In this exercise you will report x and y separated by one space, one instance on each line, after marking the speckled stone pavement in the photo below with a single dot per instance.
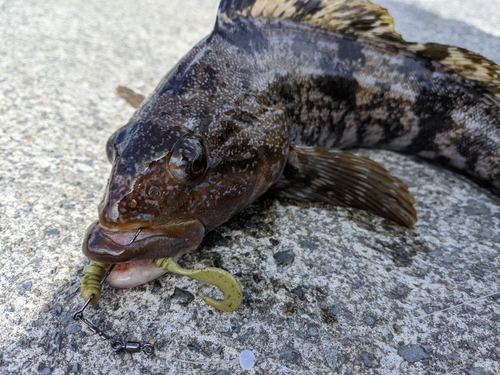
326 290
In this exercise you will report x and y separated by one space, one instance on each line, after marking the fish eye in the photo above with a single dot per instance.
188 161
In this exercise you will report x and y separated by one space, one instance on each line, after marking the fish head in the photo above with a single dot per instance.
151 188
203 147
148 210
171 183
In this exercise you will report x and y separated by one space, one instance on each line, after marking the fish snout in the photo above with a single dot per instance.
174 239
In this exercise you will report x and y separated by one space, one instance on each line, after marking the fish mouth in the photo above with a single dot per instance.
110 245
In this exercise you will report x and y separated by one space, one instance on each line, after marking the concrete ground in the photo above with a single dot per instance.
326 290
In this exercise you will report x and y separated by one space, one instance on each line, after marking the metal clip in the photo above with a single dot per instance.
133 347
116 345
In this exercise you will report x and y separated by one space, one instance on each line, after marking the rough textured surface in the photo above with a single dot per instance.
325 289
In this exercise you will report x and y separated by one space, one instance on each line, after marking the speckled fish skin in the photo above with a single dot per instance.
254 91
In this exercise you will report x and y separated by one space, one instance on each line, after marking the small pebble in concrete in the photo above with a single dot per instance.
331 353
284 258
413 353
25 286
447 258
370 320
274 242
365 359
183 296
312 330
477 371
298 292
435 254
247 359
309 244
476 208
496 352
73 328
290 355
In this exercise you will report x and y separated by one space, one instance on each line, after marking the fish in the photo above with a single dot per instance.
269 102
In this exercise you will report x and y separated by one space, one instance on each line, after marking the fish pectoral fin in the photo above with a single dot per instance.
357 17
130 96
345 179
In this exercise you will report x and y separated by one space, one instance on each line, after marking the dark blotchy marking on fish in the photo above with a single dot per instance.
433 110
268 101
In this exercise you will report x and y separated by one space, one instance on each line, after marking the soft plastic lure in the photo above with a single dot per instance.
91 284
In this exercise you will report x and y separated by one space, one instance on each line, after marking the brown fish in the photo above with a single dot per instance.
268 101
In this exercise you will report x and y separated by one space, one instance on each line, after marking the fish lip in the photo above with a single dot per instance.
106 245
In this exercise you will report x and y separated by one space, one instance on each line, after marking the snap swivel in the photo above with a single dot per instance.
92 289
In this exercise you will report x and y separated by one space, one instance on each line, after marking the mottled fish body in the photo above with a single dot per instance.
269 101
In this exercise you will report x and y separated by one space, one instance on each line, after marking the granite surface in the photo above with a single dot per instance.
326 289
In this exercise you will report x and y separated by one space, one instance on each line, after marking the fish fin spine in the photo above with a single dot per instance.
357 17
468 65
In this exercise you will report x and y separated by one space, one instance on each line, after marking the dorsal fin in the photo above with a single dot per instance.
469 65
358 17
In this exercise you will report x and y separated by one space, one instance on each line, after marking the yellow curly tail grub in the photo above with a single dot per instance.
91 281
223 280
